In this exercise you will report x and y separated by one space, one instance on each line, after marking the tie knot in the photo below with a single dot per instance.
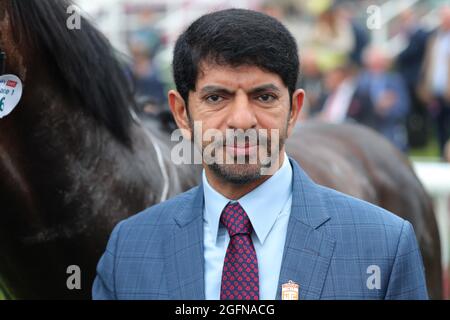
235 219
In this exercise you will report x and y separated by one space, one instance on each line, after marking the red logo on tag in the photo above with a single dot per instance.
11 83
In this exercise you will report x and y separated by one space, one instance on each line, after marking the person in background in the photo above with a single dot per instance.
435 86
341 85
148 84
332 36
447 151
408 64
382 98
360 33
311 80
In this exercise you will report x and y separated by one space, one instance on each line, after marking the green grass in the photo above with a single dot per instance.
431 150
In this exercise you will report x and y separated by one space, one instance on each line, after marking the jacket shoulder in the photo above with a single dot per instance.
350 212
147 231
371 243
162 213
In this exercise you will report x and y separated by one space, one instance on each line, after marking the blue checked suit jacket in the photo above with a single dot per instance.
334 243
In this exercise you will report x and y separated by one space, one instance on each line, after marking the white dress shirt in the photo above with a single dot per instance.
268 207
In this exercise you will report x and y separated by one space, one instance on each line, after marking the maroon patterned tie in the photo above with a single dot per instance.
240 280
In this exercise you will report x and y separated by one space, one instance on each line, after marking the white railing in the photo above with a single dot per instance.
435 176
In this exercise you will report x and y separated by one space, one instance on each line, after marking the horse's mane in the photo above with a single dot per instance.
84 60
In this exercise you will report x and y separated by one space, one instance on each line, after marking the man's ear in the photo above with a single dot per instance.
180 112
297 104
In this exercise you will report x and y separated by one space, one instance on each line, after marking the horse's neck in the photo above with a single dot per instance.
61 157
180 177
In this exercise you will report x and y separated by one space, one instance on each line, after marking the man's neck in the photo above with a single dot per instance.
235 191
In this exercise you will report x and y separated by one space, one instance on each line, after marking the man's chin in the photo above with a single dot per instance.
237 173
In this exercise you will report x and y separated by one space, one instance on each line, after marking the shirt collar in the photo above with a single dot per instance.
262 205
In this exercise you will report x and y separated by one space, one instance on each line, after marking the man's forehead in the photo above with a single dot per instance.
235 76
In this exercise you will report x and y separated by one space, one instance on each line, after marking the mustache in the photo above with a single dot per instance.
239 138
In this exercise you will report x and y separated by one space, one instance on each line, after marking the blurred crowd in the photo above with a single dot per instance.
346 75
402 96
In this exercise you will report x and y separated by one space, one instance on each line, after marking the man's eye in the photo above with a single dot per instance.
266 98
214 98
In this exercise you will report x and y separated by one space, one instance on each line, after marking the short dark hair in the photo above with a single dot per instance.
235 37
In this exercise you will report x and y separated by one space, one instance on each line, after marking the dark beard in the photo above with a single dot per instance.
249 174
238 179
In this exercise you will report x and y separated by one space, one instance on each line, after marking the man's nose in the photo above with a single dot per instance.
241 113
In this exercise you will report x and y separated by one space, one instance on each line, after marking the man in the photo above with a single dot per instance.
447 151
381 99
244 232
340 85
435 87
409 64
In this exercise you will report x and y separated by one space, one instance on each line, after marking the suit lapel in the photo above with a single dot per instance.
185 260
308 249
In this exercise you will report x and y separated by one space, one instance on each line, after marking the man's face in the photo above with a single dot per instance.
248 98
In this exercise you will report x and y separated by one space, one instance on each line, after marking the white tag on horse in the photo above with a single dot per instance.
10 93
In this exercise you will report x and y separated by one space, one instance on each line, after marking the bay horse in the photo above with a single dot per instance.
74 160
